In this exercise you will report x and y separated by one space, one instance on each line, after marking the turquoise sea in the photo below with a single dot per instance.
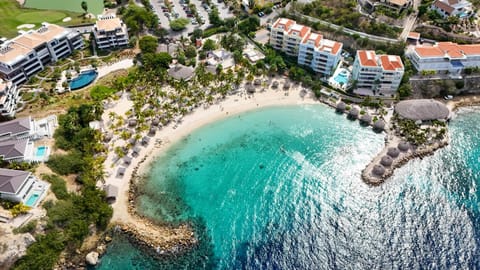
280 188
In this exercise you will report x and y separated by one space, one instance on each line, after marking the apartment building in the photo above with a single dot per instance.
28 53
9 97
460 8
445 57
377 74
310 48
322 55
110 32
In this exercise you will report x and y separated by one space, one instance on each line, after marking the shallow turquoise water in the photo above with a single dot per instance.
280 188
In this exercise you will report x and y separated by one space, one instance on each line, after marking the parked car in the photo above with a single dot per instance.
261 14
189 15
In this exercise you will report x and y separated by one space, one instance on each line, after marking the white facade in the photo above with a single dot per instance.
8 99
311 49
445 57
321 55
447 8
28 53
110 32
377 74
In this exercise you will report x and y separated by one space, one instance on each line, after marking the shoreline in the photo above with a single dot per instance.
166 239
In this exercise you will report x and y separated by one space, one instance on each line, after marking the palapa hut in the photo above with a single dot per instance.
127 160
152 131
132 141
111 193
155 122
366 119
403 146
341 106
353 113
132 122
107 137
422 110
378 170
379 125
136 150
386 161
257 82
121 172
250 88
145 141
275 84
286 86
393 152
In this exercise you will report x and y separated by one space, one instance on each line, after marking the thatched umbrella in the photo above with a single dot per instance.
286 86
155 121
341 106
275 84
257 82
366 119
353 113
152 131
378 170
132 122
386 161
108 137
136 150
111 192
403 146
145 140
393 152
127 160
379 125
250 88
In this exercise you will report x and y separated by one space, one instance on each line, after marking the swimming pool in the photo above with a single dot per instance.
342 77
32 200
41 152
85 78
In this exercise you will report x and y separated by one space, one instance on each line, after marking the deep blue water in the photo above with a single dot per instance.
280 188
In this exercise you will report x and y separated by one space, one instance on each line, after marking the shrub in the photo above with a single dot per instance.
101 92
27 228
179 24
19 209
66 164
58 186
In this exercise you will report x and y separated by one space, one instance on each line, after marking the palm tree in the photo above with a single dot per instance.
85 6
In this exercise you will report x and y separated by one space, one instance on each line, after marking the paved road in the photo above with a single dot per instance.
347 30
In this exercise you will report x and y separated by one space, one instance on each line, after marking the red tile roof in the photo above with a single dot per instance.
429 51
367 58
414 35
286 23
391 62
316 38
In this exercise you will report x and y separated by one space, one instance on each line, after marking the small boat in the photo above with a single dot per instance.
282 149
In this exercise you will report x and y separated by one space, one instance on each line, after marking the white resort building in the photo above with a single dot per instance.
8 98
311 49
377 74
446 8
28 53
445 57
110 32
21 186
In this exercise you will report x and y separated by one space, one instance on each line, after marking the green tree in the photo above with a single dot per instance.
84 6
209 45
214 17
178 24
190 51
148 44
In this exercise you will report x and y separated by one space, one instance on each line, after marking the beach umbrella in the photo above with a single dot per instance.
132 122
366 118
257 82
155 121
275 84
353 113
127 160
250 88
286 86
152 131
386 161
379 125
393 152
341 106
108 137
378 170
403 146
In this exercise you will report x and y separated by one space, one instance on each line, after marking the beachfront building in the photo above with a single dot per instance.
181 72
447 57
110 32
446 8
8 99
28 128
21 186
219 58
311 49
377 74
29 53
321 55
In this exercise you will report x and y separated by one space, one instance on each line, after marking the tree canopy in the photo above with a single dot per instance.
179 24
148 44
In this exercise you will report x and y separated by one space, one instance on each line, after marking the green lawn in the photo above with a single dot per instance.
12 15
94 6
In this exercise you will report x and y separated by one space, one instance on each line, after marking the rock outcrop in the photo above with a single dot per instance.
12 247
92 258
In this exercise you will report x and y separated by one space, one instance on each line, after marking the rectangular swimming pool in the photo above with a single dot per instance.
32 200
40 153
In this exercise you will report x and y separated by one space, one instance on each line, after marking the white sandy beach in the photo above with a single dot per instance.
169 135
